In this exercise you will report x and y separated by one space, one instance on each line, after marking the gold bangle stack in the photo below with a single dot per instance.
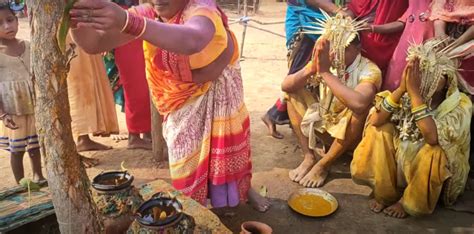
420 112
389 105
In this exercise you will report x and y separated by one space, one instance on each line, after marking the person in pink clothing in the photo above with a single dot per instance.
417 28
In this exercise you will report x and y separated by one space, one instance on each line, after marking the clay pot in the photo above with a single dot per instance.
254 227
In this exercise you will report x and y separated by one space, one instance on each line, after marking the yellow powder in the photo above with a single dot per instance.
311 205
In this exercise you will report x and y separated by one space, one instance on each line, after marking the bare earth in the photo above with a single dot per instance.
263 69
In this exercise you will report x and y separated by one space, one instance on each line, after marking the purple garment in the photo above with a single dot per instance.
226 195
418 28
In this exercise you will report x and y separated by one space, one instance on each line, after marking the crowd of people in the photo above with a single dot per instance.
388 80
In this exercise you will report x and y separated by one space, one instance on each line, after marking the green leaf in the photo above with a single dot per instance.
64 26
27 183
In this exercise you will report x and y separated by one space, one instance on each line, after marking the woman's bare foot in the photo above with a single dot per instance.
375 206
135 142
271 127
298 173
396 211
315 177
89 162
259 203
84 143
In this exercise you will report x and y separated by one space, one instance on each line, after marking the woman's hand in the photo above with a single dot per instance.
413 80
323 63
9 123
98 14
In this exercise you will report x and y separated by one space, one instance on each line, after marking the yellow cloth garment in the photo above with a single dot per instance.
91 100
417 171
361 70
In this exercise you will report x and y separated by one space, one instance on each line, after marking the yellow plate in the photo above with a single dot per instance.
313 202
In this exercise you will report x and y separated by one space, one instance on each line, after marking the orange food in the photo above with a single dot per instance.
311 205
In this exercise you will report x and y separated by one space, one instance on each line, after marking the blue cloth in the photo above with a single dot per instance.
298 16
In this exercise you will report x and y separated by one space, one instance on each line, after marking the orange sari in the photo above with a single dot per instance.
207 126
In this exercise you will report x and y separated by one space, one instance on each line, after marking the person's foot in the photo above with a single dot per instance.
84 143
259 203
39 178
119 137
271 127
396 211
89 162
298 173
375 206
135 142
147 137
315 177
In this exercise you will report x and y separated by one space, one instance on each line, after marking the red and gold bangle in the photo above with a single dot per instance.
135 25
126 22
144 28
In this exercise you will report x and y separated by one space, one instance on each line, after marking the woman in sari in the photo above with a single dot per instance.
415 148
195 82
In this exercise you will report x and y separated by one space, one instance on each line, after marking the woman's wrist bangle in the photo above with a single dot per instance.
126 22
419 108
144 28
135 26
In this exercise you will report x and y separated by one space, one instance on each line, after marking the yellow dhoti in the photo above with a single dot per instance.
377 164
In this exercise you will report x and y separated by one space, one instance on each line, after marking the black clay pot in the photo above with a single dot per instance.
147 212
107 181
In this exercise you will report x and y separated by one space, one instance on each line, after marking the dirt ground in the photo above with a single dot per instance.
263 68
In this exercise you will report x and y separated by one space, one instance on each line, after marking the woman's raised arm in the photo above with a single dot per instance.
99 24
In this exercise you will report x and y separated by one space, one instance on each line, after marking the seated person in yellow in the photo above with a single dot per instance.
416 141
333 106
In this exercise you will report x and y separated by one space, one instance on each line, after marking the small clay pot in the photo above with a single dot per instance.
254 227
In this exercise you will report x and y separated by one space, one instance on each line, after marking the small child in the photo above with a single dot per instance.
17 120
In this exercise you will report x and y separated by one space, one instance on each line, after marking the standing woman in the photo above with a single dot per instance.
195 82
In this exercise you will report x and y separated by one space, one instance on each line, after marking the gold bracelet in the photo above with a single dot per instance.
391 102
144 29
418 108
126 22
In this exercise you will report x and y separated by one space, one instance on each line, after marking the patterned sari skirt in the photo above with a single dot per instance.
208 142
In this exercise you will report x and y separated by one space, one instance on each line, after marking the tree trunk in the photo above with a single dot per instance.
157 134
67 178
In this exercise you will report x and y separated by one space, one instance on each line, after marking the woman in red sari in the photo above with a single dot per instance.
194 77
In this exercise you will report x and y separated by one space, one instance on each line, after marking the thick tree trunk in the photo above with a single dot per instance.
157 134
67 178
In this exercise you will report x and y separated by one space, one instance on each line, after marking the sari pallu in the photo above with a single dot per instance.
206 125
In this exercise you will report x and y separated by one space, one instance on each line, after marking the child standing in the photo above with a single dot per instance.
17 122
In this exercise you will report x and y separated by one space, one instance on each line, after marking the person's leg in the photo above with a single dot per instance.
309 158
299 56
274 112
318 173
374 165
35 157
16 162
85 143
425 175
